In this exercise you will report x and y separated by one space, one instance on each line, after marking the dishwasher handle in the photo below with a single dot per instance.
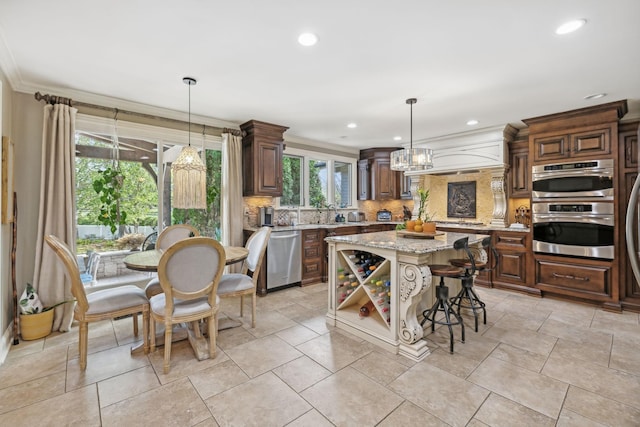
280 235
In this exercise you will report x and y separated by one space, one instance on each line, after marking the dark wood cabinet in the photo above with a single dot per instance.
364 183
405 186
313 255
588 142
514 252
585 279
381 182
628 153
262 148
520 169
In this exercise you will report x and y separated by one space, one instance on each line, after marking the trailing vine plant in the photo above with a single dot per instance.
108 185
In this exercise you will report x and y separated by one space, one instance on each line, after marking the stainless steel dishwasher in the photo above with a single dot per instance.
284 259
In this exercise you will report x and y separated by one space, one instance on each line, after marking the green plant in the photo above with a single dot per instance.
424 199
30 303
108 185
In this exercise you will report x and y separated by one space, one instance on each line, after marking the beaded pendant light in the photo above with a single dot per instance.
189 173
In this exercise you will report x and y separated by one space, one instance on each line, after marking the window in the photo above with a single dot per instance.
291 181
146 153
330 180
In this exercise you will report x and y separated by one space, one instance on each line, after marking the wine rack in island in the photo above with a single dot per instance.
363 290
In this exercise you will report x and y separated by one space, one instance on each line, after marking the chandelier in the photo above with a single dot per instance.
412 159
189 173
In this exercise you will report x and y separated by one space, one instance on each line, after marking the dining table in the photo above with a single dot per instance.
148 261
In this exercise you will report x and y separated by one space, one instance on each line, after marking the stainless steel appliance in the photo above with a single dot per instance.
284 259
577 228
383 215
584 179
356 217
632 228
266 216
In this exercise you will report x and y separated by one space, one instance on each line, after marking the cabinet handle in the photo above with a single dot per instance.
568 276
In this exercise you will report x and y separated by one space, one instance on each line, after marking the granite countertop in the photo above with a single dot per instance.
391 240
324 226
439 225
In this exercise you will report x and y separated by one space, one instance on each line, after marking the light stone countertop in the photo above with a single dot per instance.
449 225
391 240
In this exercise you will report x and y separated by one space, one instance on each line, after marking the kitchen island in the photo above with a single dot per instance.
379 281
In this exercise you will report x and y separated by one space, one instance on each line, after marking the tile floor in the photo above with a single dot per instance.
538 362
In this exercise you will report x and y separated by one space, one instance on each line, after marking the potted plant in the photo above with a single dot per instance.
36 321
426 219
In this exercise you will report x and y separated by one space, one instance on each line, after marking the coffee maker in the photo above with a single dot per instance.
266 216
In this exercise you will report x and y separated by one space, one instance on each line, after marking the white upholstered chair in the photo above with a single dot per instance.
189 272
100 305
245 282
166 238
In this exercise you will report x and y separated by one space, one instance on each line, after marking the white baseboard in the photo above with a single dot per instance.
5 344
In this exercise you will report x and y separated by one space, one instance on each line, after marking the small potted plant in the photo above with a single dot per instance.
36 321
426 219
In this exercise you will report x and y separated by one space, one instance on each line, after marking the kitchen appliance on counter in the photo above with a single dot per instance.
356 217
284 259
383 215
266 217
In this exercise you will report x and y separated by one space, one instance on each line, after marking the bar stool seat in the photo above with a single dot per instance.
467 297
442 303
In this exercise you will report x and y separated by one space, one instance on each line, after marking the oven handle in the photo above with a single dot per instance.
541 176
631 243
581 218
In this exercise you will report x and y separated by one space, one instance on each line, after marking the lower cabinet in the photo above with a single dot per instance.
586 279
313 255
512 270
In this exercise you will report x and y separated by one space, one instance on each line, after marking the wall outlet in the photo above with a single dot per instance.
246 211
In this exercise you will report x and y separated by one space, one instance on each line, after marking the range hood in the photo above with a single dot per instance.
479 149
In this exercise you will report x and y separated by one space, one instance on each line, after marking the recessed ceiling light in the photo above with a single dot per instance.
307 39
570 26
352 125
472 122
397 138
595 96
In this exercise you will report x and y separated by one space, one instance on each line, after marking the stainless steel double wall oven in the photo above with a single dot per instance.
573 208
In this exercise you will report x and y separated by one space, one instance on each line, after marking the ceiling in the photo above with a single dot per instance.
496 61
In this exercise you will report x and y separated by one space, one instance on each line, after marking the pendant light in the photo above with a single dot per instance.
189 173
412 159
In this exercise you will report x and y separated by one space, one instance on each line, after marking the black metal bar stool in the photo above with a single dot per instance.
443 304
467 297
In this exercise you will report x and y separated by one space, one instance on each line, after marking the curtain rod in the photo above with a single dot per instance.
52 99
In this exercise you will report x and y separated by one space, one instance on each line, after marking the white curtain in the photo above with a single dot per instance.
57 209
232 215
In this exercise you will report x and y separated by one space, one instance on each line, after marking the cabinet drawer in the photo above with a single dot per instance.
314 251
587 281
311 269
511 241
312 236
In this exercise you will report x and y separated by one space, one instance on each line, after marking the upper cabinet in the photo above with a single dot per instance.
520 169
584 133
262 148
592 141
376 180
